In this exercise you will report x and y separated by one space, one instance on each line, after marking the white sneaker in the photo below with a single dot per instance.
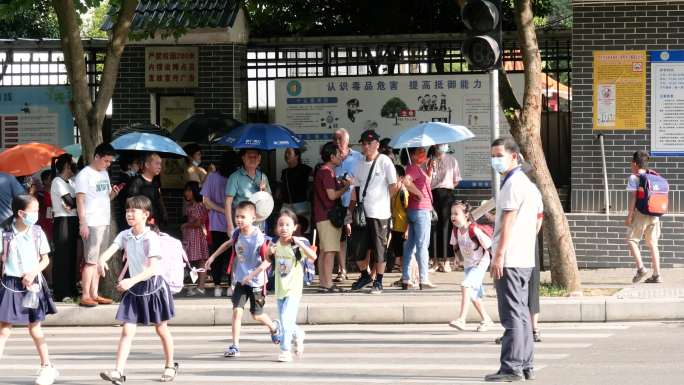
191 292
229 291
218 291
285 356
47 375
299 343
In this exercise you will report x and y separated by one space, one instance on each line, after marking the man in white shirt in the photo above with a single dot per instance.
350 159
515 232
376 204
93 196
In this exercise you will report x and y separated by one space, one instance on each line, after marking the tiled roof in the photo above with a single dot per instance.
189 14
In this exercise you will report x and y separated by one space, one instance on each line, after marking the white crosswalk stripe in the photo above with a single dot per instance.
335 354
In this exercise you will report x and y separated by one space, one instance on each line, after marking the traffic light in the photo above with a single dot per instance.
483 47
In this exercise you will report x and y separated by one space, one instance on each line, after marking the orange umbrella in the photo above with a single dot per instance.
27 159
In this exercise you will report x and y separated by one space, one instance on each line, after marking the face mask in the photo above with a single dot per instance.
131 173
195 163
499 165
443 148
30 219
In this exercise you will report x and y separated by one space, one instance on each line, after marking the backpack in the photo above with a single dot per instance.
7 237
308 266
172 264
652 194
263 250
486 228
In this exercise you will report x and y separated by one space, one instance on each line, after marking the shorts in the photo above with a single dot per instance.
643 226
93 246
473 280
328 237
255 295
373 237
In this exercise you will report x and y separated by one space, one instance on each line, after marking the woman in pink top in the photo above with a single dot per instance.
417 182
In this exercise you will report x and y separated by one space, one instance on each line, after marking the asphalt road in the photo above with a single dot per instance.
576 354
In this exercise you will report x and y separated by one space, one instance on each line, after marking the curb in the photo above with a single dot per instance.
608 309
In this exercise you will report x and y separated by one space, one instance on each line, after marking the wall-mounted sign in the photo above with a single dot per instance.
171 67
35 114
667 103
619 90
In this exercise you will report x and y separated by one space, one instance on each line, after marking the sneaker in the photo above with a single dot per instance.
498 340
231 352
640 274
275 335
298 343
529 374
484 326
218 291
458 324
377 288
504 377
285 356
191 292
654 279
47 375
67 300
104 301
536 336
363 281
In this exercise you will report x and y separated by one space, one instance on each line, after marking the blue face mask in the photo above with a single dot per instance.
499 165
30 219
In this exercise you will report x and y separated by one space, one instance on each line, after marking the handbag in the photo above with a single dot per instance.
359 213
337 214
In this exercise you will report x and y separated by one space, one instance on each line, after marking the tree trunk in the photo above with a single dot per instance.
525 127
89 117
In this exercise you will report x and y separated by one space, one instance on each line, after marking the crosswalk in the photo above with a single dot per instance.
334 354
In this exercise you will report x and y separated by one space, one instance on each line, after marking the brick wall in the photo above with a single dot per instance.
221 74
600 241
617 25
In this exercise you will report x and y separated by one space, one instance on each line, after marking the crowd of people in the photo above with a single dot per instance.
385 215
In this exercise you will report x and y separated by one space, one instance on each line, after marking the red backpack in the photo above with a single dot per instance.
486 228
652 194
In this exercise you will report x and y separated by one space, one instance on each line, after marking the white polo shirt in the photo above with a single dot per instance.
24 250
139 248
519 194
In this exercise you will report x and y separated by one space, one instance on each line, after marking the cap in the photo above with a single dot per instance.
369 136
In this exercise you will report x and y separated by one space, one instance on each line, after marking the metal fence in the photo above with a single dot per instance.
271 59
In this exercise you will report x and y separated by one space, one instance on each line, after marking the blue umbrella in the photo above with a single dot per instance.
143 141
74 149
262 136
431 133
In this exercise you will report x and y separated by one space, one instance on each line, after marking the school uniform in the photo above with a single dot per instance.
147 302
24 251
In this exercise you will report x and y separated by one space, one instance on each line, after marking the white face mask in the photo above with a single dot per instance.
195 163
443 148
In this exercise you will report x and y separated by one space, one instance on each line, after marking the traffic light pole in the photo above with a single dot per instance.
494 122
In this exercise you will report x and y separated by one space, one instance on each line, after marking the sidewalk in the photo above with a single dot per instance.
629 303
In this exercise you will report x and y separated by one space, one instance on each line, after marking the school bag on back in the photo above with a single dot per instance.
172 264
262 253
652 194
488 229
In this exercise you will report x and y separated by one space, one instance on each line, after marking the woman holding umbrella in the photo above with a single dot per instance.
244 182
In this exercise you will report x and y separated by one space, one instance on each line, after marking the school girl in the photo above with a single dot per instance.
24 295
146 298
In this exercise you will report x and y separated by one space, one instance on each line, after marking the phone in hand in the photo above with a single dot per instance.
121 186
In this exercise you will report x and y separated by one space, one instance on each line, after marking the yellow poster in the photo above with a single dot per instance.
619 90
172 111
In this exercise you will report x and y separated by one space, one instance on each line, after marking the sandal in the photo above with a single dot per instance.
113 376
170 373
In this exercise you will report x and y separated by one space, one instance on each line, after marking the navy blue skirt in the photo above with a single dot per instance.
148 302
12 294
